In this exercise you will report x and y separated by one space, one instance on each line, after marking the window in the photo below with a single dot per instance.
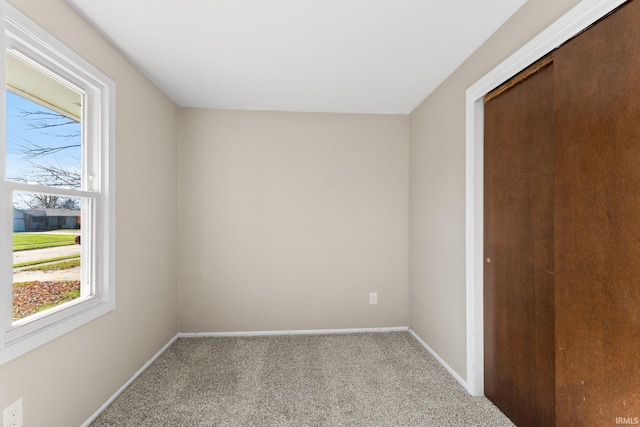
57 198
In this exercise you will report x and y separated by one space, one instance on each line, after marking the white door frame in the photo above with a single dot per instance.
577 19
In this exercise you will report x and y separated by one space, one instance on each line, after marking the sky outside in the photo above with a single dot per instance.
20 133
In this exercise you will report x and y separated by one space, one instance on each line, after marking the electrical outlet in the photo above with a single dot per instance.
373 298
12 415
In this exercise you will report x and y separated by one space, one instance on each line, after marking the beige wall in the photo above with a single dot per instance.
65 381
437 310
289 220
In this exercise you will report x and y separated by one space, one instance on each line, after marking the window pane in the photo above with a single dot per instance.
46 252
44 129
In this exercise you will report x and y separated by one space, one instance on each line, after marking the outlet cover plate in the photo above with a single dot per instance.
12 415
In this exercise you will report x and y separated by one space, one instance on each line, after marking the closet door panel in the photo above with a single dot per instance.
518 238
597 222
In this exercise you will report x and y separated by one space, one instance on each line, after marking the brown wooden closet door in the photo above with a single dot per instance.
518 248
597 222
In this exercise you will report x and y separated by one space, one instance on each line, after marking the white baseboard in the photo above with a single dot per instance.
293 332
440 360
95 415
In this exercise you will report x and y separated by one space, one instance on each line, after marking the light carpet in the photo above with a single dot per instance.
367 379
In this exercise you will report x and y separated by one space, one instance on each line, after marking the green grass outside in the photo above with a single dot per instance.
42 261
26 241
57 266
64 297
21 284
35 296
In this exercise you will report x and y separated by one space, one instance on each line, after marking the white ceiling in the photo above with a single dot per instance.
351 56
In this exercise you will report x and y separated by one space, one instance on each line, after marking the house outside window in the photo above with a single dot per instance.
57 210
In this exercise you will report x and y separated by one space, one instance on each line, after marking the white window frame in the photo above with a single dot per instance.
29 41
